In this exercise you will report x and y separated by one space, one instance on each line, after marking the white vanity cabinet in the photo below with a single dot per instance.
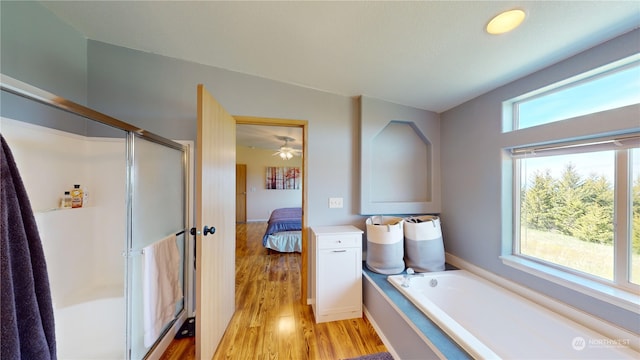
336 273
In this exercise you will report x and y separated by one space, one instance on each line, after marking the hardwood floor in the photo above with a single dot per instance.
270 322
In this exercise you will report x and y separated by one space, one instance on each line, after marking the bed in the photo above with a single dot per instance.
284 230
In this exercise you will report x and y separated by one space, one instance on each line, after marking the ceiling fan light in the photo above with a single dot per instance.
285 152
505 21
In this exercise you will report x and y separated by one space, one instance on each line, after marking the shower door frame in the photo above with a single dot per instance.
29 92
135 251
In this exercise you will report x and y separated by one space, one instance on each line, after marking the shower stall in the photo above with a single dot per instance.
107 295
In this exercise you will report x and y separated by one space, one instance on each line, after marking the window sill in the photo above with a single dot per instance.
612 295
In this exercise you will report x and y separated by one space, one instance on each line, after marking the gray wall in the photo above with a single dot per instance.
159 94
39 49
472 159
399 159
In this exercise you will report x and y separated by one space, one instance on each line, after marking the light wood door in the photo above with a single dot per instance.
215 207
241 193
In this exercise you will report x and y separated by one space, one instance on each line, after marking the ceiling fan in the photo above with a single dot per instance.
286 152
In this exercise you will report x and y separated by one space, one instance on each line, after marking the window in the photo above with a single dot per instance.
613 86
576 203
569 197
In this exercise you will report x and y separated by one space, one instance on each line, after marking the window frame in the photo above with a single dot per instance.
622 220
511 107
620 291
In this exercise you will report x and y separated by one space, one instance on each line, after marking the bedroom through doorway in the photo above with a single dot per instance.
270 137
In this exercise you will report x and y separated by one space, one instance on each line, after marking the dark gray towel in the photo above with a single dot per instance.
28 330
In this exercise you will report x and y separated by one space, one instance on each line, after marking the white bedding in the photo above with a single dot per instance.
285 241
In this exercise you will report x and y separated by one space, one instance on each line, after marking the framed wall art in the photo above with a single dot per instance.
282 178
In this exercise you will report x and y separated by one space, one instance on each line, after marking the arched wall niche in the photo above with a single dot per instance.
402 155
399 159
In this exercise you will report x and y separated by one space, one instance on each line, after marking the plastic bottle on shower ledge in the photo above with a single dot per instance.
76 197
65 203
85 197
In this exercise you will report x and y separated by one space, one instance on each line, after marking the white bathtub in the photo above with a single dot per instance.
91 330
490 322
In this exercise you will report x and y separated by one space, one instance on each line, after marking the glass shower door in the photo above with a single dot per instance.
136 186
157 224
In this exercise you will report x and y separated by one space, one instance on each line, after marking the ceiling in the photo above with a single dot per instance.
432 55
265 137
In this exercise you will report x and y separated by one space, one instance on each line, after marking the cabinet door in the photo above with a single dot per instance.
339 280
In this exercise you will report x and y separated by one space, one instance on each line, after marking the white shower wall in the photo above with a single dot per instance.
83 247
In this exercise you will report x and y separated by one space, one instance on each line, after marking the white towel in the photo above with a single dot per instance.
160 286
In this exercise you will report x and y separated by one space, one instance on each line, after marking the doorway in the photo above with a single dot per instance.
301 124
241 193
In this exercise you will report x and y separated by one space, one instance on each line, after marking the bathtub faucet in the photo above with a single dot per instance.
406 278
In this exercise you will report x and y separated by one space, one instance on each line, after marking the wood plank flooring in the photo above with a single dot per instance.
270 322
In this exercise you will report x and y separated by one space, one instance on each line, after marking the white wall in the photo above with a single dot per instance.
260 201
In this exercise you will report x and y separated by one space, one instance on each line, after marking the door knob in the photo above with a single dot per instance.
208 230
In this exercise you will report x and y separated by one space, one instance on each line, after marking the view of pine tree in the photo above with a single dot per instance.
596 223
568 201
572 205
538 202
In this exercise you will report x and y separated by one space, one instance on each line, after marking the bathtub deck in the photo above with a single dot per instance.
444 344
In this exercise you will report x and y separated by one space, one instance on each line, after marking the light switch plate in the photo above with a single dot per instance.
335 203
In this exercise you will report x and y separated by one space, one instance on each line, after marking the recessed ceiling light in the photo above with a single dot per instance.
505 21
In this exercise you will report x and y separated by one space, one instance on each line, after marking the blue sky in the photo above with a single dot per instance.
613 90
617 88
600 163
